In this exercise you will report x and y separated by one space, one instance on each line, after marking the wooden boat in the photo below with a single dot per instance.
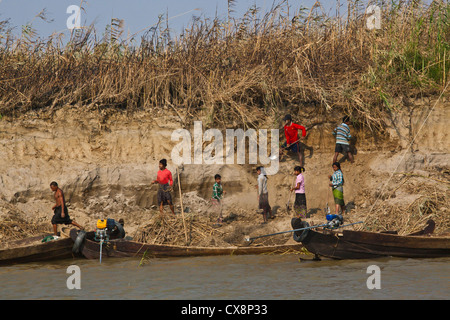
348 244
127 248
33 249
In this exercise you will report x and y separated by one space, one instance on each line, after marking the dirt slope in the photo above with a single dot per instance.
105 162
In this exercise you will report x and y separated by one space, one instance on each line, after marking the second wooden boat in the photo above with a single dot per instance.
348 244
90 248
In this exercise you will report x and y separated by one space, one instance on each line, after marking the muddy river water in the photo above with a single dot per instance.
255 277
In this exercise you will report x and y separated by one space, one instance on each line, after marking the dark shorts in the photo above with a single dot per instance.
342 148
294 147
57 219
164 195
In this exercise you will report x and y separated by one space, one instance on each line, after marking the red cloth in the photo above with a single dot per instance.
291 132
164 176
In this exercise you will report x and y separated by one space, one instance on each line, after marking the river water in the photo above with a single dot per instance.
255 277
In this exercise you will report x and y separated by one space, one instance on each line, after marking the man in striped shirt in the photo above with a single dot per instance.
342 134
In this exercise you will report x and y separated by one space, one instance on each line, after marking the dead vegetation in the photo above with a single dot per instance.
430 201
236 71
16 230
170 230
202 231
14 225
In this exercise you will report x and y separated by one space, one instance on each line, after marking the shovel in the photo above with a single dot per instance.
275 156
288 204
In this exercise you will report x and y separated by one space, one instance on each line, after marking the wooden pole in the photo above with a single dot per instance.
182 209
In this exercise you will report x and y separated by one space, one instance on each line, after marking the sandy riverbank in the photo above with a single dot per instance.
105 163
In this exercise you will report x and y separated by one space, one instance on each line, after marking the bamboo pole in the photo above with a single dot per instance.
182 209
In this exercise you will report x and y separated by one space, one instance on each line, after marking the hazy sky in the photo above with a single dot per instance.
137 14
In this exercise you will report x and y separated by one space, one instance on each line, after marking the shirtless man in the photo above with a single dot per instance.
61 214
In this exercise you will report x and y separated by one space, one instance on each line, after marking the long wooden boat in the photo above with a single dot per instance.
348 244
32 249
127 248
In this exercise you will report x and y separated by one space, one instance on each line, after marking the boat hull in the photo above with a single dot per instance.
366 245
126 248
33 250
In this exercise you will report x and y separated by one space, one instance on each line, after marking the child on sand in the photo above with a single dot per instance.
300 197
342 134
217 196
263 195
337 186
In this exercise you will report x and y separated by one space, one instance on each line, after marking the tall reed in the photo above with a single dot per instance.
237 71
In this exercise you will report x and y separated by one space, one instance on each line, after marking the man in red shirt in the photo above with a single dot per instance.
292 139
165 181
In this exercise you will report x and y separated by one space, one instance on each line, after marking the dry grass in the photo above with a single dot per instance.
170 230
13 230
14 227
203 232
430 203
238 71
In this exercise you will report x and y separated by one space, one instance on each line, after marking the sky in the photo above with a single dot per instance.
138 15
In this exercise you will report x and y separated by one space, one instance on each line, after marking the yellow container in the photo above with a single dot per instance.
101 224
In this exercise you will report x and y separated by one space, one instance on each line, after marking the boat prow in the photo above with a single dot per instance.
33 249
349 244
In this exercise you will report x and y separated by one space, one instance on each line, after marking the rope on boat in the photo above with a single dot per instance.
294 230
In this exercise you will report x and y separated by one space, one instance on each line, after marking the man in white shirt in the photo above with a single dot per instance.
263 195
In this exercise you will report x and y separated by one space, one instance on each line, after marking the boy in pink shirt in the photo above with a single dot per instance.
300 197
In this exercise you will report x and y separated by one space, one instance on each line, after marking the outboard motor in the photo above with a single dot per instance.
334 221
101 231
108 229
